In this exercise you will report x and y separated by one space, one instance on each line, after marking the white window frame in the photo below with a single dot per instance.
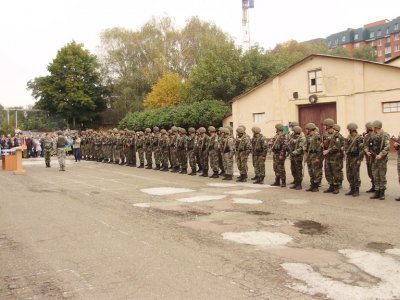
356 36
396 26
391 107
315 81
343 38
397 48
379 33
380 43
397 36
259 117
388 50
380 53
372 34
388 40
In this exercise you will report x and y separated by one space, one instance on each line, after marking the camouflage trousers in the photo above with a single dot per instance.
83 150
198 158
332 169
149 156
220 161
157 155
130 156
353 171
182 157
314 166
259 165
173 152
213 160
61 155
398 166
228 163
141 156
296 167
47 155
341 166
379 169
241 161
279 166
369 169
192 159
123 154
204 160
116 150
164 158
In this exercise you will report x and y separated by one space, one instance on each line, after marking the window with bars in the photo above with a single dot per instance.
315 81
389 107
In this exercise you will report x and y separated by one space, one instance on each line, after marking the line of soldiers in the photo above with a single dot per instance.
204 149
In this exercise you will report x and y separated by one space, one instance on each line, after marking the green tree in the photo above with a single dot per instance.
365 52
74 88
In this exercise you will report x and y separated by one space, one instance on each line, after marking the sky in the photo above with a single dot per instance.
33 31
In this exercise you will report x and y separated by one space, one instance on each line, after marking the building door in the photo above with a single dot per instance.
316 113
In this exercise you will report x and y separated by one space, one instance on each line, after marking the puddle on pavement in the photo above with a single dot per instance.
310 227
381 247
258 212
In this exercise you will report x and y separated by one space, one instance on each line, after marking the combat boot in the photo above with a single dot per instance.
193 173
222 173
157 167
397 199
149 166
141 166
330 189
239 179
315 188
381 194
254 178
298 187
205 173
356 192
351 192
294 185
164 169
336 189
261 180
311 187
184 171
243 179
214 175
175 170
283 182
277 181
372 189
376 195
227 177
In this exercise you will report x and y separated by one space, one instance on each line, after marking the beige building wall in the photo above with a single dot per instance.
395 63
358 88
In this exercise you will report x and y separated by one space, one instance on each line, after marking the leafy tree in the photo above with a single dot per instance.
166 92
74 89
365 52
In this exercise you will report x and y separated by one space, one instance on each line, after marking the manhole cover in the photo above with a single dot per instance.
310 227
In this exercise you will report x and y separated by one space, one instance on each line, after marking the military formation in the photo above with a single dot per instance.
211 153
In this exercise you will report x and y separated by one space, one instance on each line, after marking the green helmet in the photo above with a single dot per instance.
256 129
182 130
279 126
311 126
244 127
229 128
240 129
147 130
368 125
211 129
202 130
191 130
377 124
115 130
352 126
163 131
336 127
294 123
156 129
329 122
174 129
297 129
225 130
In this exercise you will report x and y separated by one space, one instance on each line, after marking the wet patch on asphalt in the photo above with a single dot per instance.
310 227
258 212
381 247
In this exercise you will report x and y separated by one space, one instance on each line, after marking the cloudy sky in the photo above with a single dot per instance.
33 31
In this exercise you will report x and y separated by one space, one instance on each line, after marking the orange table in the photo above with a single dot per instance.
9 162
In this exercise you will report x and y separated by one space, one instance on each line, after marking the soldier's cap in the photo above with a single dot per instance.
141 133
156 129
279 126
297 129
225 130
219 129
256 129
311 126
352 126
201 130
368 125
174 129
211 129
126 129
336 127
240 129
121 131
329 122
163 131
147 130
244 127
377 124
229 128
115 130
191 130
293 124
182 130
110 130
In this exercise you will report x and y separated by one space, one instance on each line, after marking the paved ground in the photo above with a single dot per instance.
102 231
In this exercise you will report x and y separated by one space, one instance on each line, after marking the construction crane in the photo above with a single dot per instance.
246 4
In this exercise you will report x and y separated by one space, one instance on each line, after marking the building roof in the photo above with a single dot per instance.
392 59
307 58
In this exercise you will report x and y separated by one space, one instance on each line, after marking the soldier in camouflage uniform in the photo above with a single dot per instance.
173 150
61 154
367 136
354 149
213 146
227 153
397 147
156 147
313 156
114 150
278 147
164 148
140 148
243 148
197 151
378 150
203 148
190 146
331 153
259 147
130 149
97 146
47 148
182 152
341 154
147 148
295 147
83 145
219 151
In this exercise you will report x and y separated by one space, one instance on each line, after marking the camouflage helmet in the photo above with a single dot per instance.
225 130
141 133
297 129
147 130
377 124
256 129
329 122
182 130
126 129
115 130
229 128
174 129
293 124
368 125
211 129
279 126
311 126
352 126
156 129
191 130
59 132
110 130
244 127
219 129
163 131
336 127
202 130
240 129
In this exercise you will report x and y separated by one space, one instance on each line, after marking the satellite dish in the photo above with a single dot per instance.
313 99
